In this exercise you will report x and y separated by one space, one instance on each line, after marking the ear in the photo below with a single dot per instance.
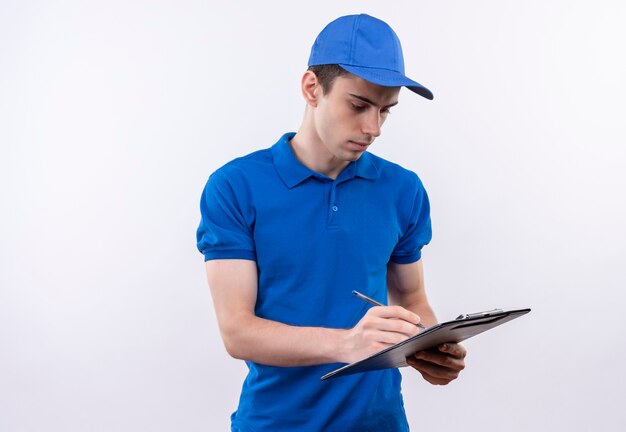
311 88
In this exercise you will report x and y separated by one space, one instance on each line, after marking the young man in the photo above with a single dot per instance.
288 232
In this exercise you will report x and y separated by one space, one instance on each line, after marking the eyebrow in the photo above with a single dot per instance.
371 102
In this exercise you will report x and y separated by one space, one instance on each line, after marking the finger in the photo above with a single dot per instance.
388 334
436 374
389 338
397 312
434 380
430 373
441 360
394 325
453 349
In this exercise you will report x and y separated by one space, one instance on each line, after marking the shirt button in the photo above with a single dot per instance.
335 208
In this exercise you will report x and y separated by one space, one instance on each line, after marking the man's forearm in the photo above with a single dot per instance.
277 344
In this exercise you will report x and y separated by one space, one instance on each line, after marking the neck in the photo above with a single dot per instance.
311 152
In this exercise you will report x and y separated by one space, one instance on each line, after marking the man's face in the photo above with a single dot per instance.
350 116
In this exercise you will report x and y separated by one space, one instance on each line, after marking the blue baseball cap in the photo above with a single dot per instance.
366 47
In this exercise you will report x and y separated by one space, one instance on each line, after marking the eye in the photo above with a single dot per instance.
358 108
385 111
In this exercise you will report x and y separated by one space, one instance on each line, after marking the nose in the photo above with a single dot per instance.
372 124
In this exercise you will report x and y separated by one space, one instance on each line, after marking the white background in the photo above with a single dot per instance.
114 113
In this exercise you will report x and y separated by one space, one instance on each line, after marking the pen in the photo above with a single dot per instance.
375 303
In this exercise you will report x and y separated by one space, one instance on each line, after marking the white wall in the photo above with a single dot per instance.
113 114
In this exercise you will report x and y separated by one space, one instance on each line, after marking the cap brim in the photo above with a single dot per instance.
388 78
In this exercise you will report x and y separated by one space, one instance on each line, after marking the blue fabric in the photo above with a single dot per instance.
315 240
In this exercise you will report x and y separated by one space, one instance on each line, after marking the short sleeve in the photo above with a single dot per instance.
224 231
418 232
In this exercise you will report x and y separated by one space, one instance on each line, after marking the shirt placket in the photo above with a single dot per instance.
333 207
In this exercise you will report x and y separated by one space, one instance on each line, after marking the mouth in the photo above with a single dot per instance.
361 145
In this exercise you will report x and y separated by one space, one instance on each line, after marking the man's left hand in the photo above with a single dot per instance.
440 365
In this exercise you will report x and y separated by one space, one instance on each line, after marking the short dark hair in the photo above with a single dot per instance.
326 75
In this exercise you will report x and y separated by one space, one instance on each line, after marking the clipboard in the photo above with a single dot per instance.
457 330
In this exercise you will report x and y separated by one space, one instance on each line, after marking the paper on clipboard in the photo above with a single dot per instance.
456 330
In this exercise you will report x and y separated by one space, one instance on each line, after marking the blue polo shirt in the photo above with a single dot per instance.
314 240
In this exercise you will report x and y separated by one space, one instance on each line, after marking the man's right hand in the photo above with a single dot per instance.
380 328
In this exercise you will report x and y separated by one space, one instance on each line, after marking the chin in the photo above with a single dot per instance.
355 155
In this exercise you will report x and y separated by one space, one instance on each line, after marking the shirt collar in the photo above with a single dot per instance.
365 167
292 172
